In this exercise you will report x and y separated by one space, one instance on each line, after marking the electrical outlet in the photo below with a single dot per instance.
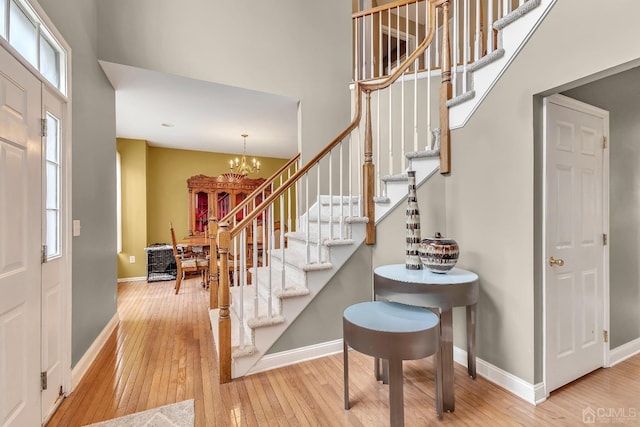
132 259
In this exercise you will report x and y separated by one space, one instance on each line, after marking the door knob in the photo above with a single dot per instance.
556 261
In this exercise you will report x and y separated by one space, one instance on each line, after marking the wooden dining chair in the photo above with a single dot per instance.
187 264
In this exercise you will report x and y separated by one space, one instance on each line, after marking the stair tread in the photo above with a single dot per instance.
302 237
313 217
422 154
395 178
457 100
486 60
515 14
298 260
324 200
249 304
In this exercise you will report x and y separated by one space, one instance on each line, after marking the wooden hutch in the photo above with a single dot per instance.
217 195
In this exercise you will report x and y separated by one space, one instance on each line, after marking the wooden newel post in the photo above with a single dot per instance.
213 262
224 318
445 94
368 177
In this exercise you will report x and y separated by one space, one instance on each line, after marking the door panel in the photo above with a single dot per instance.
20 190
574 218
53 226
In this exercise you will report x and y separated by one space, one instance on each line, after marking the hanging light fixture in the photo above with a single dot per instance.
240 165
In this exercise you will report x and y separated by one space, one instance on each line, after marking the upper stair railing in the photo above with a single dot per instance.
409 119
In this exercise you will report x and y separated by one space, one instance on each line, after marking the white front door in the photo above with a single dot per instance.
20 237
53 235
574 252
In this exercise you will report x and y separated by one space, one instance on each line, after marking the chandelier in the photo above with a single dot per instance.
241 165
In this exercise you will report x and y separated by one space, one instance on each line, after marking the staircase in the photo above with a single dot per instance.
268 287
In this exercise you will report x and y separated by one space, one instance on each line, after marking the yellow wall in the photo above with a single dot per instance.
167 195
155 180
133 158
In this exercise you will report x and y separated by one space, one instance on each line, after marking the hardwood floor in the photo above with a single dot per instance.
162 352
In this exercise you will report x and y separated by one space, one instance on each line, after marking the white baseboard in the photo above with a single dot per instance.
133 279
297 355
623 352
532 393
89 356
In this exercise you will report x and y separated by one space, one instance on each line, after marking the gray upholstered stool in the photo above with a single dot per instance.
394 332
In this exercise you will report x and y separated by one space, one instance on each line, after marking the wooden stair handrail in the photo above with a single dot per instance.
360 87
391 78
445 88
258 190
225 234
382 7
304 169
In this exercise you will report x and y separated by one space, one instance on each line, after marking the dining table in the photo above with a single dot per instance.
199 244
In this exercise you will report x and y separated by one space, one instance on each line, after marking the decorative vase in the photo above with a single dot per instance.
412 259
439 254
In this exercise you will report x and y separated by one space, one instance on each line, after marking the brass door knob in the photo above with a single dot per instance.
556 261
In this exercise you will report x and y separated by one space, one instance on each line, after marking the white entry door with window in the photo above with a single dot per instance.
35 265
20 231
575 283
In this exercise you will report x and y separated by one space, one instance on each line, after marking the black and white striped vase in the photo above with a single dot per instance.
412 260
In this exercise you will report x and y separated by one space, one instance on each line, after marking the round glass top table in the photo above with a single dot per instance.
424 288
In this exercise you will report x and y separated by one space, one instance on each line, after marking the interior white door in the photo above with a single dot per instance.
20 196
574 248
53 270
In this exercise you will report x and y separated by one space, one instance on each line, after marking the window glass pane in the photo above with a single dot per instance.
3 14
52 186
49 62
52 197
23 34
53 242
53 138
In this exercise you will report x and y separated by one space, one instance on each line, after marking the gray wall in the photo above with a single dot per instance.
620 95
490 198
287 47
321 321
299 49
390 244
94 199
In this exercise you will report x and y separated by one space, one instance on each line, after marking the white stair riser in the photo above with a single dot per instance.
328 230
337 210
301 247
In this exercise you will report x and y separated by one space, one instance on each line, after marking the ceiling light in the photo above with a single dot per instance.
240 165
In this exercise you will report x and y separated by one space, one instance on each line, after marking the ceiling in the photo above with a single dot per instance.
178 112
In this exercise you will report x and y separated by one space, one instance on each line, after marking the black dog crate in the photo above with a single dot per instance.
161 264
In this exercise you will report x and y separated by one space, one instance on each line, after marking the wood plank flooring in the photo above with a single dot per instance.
162 352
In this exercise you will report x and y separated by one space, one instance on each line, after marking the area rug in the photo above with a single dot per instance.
179 414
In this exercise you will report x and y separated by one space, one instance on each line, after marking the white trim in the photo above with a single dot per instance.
514 38
81 368
531 393
580 106
297 355
624 352
133 279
